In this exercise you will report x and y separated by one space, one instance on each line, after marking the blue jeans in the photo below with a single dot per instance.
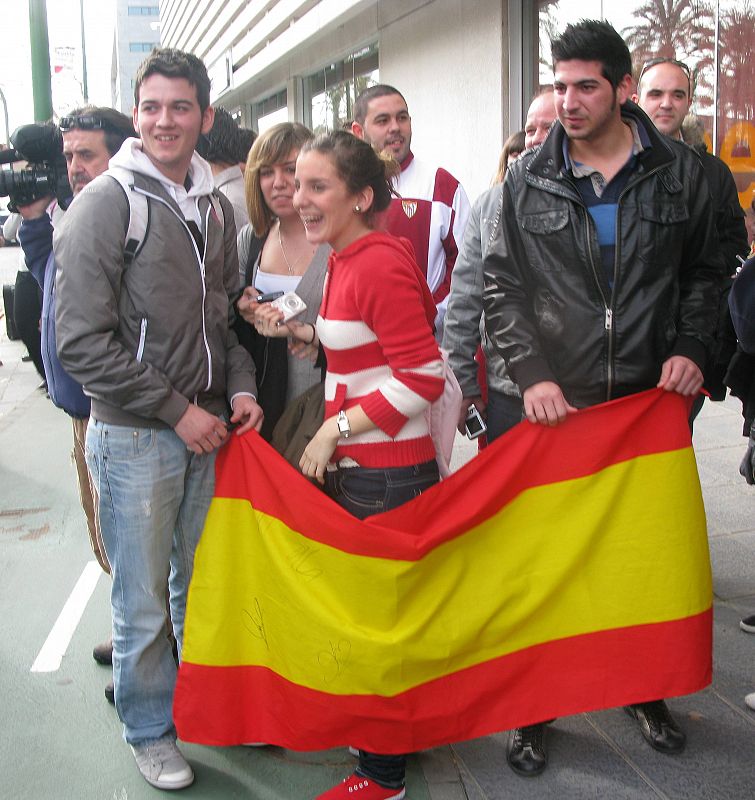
154 494
363 492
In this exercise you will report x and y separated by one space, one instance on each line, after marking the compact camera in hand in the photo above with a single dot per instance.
290 305
474 424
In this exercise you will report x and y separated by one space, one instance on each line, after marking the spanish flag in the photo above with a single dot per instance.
562 570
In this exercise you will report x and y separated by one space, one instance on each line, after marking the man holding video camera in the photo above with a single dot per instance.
90 137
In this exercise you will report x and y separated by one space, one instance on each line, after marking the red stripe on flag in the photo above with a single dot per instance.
229 705
594 439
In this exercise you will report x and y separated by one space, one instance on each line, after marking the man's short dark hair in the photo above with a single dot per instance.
174 63
117 127
244 142
220 145
370 93
594 40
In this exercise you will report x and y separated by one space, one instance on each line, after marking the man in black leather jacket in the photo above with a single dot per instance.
603 278
664 93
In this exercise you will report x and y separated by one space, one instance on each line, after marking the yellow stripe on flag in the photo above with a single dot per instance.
322 618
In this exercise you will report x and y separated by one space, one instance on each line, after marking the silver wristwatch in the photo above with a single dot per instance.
344 428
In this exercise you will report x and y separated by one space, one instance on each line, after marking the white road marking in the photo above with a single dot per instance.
54 648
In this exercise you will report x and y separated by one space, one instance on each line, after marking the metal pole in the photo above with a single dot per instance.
40 61
5 111
84 53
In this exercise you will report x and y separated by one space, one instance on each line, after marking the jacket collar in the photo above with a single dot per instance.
147 183
408 160
548 161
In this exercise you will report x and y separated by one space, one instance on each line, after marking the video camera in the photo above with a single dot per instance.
41 146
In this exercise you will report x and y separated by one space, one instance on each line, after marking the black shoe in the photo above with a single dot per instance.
526 752
110 693
103 653
658 726
748 624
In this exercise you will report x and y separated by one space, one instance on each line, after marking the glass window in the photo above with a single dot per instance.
141 47
723 75
143 11
330 92
270 111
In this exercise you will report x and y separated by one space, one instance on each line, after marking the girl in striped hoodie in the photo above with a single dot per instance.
373 452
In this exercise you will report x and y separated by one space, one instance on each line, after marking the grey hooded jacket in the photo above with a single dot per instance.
148 338
462 328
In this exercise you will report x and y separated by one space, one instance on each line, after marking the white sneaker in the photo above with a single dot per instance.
162 764
750 700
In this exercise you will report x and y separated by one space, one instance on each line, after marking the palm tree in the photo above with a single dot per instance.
548 31
682 29
737 66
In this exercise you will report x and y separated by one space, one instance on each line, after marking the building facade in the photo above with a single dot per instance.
467 69
137 31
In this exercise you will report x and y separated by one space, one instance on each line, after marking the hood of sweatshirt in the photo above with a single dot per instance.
132 157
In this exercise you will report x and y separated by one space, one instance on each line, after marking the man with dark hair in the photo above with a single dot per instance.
604 278
431 208
664 93
146 331
172 63
244 142
91 135
220 148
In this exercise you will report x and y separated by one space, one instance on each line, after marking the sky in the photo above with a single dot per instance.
64 31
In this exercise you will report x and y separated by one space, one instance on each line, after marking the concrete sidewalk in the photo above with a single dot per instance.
61 739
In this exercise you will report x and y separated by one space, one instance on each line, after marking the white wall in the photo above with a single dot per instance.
446 59
445 56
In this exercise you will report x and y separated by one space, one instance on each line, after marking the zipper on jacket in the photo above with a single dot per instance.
142 339
608 311
204 292
200 262
616 258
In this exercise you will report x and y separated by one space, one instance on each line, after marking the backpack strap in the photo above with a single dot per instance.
218 208
139 213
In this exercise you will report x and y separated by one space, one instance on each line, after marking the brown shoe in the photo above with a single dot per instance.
103 653
110 693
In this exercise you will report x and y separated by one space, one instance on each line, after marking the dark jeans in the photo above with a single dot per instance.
27 309
697 407
504 411
364 492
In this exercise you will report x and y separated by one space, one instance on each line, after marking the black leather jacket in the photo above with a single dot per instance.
549 309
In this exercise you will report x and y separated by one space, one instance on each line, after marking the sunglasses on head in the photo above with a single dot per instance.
84 122
661 60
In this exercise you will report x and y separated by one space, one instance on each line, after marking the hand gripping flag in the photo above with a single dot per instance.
562 570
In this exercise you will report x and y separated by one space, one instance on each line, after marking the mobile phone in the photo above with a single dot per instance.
268 297
474 424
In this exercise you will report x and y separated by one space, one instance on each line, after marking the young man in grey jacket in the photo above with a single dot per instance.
148 337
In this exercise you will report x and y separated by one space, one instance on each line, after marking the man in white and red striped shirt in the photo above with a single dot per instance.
432 207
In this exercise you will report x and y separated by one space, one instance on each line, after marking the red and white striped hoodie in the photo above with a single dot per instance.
375 324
